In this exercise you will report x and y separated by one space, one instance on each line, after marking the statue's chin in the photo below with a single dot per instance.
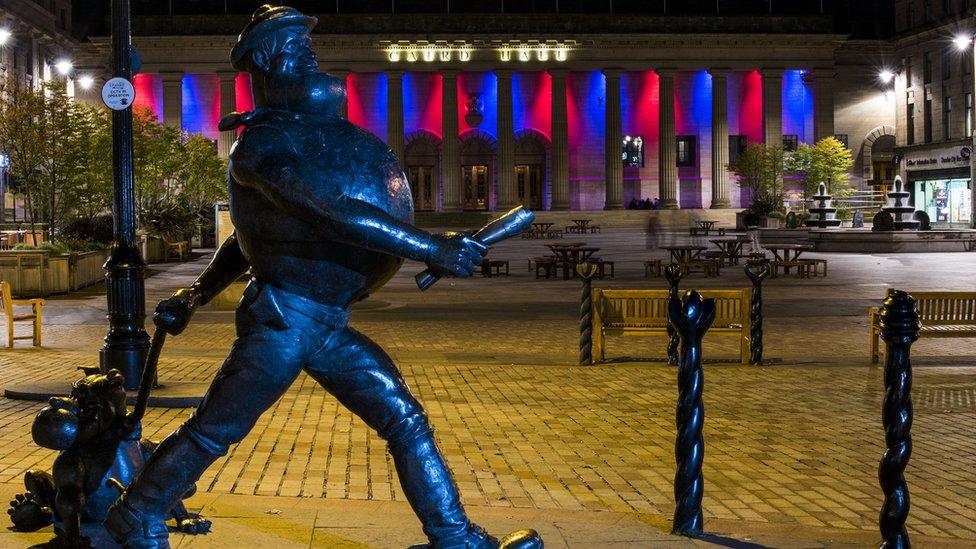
318 93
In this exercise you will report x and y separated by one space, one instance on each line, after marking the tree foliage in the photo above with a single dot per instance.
760 171
60 154
827 161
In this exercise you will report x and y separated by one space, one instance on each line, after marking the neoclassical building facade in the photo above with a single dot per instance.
556 112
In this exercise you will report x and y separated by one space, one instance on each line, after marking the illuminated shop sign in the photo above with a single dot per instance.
941 158
443 52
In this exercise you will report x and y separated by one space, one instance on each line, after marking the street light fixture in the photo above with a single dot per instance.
886 76
64 66
86 82
4 36
962 41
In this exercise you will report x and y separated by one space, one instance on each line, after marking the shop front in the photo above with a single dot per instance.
940 183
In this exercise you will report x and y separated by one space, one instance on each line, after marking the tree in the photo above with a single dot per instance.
827 161
93 181
202 179
760 170
44 131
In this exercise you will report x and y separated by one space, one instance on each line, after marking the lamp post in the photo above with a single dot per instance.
127 343
965 42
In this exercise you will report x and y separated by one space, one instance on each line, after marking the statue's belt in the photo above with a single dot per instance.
268 304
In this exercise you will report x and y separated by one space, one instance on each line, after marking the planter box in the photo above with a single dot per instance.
34 273
152 248
769 222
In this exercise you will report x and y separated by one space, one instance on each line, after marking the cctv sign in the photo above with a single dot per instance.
118 94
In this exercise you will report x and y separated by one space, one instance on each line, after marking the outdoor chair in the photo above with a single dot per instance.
175 249
8 308
652 266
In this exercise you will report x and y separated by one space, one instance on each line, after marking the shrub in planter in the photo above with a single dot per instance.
97 229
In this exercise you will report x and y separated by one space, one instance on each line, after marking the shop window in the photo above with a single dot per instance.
790 142
686 150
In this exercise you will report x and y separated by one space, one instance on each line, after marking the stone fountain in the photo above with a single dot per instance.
901 213
824 211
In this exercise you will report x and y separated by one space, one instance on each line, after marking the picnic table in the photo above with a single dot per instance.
706 225
570 255
541 229
684 253
731 247
787 252
580 226
786 256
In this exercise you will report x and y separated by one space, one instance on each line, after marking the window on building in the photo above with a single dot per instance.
927 67
969 115
947 118
927 119
908 71
910 124
842 137
737 146
686 150
966 60
790 142
947 63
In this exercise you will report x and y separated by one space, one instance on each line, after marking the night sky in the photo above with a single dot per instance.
864 18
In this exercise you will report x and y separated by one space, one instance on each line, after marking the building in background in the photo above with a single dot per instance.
933 89
35 45
558 111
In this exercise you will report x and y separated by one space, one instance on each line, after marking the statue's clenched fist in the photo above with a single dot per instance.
455 253
173 314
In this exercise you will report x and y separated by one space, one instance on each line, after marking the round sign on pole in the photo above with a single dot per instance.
118 94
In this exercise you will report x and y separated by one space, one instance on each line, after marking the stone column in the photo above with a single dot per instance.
450 145
614 145
394 113
772 84
668 154
506 142
228 104
560 141
823 104
173 99
721 190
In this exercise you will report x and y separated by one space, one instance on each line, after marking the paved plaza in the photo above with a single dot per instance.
583 453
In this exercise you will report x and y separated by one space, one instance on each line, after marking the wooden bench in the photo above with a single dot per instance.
645 313
802 267
942 314
601 265
175 248
708 267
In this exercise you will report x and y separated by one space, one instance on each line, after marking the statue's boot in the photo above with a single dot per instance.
429 486
137 520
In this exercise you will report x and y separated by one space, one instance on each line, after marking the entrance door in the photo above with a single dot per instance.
423 187
528 184
475 187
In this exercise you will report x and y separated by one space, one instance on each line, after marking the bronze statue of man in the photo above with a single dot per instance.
323 217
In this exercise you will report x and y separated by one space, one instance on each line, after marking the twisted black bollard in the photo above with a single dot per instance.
757 269
673 273
691 318
899 329
586 272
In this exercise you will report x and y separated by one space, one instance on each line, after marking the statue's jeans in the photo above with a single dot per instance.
279 334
